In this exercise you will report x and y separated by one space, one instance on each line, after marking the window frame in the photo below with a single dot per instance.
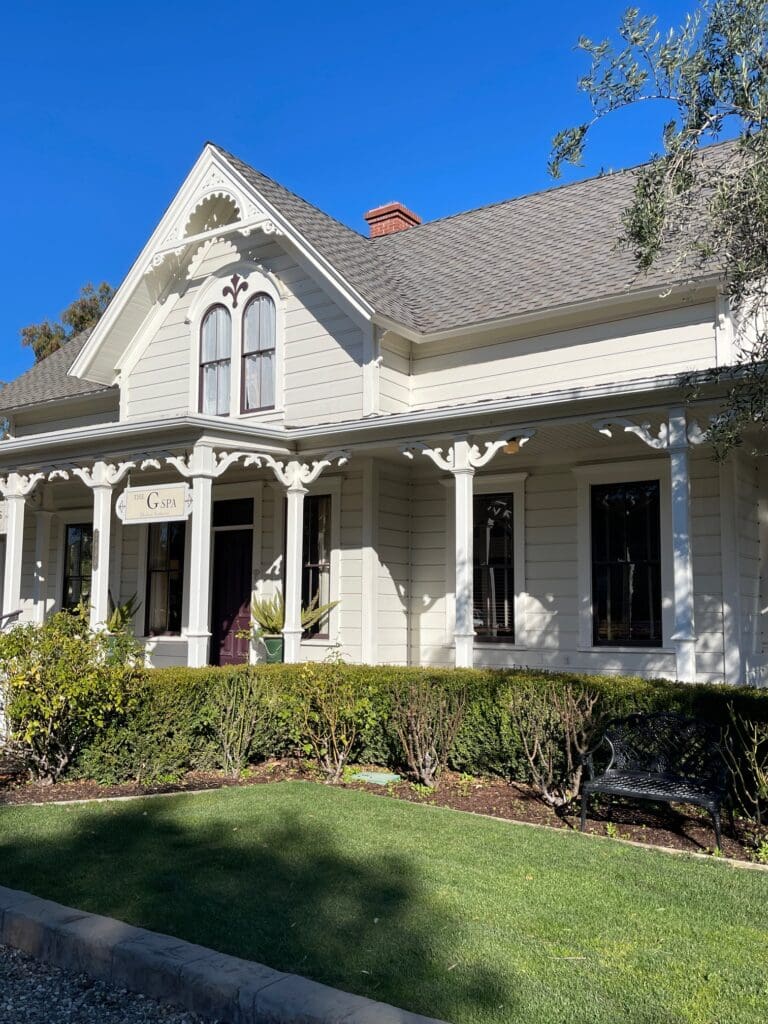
616 473
602 566
148 574
307 566
210 293
67 526
217 362
487 638
245 356
331 485
490 483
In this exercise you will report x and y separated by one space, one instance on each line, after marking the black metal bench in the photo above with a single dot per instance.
663 757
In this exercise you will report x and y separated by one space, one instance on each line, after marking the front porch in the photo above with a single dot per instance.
395 527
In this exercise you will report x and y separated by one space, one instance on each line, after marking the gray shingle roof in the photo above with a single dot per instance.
524 255
47 381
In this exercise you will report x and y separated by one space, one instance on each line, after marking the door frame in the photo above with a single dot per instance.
225 492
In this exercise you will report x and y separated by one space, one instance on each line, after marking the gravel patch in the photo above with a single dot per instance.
32 992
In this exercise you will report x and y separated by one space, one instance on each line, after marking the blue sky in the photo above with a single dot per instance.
105 107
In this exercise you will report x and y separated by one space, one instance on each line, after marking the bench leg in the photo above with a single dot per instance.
584 799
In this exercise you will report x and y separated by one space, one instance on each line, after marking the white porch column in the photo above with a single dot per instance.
14 546
42 550
102 477
461 460
294 533
102 526
15 488
199 625
464 630
296 477
684 635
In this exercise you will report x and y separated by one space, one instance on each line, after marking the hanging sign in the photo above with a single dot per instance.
163 503
3 518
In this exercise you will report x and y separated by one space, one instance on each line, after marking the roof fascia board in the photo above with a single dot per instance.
705 286
83 364
285 440
152 432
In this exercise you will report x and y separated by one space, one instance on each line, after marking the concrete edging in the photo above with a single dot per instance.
212 984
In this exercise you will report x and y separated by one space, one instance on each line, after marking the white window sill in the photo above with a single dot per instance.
162 639
607 649
323 642
492 645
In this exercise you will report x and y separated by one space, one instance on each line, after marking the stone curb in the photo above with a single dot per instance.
212 984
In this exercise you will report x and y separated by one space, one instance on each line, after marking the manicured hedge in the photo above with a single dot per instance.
169 730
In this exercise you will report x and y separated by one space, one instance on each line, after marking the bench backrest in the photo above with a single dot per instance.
666 743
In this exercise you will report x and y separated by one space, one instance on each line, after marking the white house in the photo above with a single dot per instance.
471 433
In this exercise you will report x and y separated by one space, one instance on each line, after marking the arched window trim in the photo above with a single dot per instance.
260 280
245 409
219 362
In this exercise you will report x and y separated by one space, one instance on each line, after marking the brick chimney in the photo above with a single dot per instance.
391 217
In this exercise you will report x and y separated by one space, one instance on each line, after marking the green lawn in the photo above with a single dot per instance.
455 916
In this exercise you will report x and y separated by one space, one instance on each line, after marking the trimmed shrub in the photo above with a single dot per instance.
427 715
175 720
62 686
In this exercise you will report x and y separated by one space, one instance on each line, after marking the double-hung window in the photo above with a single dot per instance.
626 564
494 567
165 578
78 564
316 558
258 365
215 362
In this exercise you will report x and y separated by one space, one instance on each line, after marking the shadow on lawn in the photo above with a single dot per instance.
284 893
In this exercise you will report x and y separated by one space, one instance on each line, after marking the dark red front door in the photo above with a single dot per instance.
231 607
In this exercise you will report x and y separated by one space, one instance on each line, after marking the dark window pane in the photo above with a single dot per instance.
494 566
237 512
165 578
78 551
316 554
626 564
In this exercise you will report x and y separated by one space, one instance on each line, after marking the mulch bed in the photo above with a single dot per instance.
679 827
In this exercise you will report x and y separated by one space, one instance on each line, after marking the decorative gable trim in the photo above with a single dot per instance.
213 189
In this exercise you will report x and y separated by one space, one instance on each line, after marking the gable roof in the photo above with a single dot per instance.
48 380
514 258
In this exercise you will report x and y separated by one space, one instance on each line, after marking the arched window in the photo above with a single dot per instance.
215 361
258 372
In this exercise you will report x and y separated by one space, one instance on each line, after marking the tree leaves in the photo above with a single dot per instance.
697 208
85 312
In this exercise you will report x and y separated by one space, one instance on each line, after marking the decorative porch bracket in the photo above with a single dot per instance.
101 478
462 459
675 437
296 477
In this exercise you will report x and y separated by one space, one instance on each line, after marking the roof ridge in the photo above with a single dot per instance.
558 187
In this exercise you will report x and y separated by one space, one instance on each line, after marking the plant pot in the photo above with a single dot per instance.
274 648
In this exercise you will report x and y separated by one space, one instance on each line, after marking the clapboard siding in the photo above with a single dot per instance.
394 374
707 568
551 598
393 542
322 348
636 347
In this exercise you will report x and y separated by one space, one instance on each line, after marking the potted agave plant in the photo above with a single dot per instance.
268 615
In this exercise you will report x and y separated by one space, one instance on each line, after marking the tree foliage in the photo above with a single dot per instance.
701 208
82 314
